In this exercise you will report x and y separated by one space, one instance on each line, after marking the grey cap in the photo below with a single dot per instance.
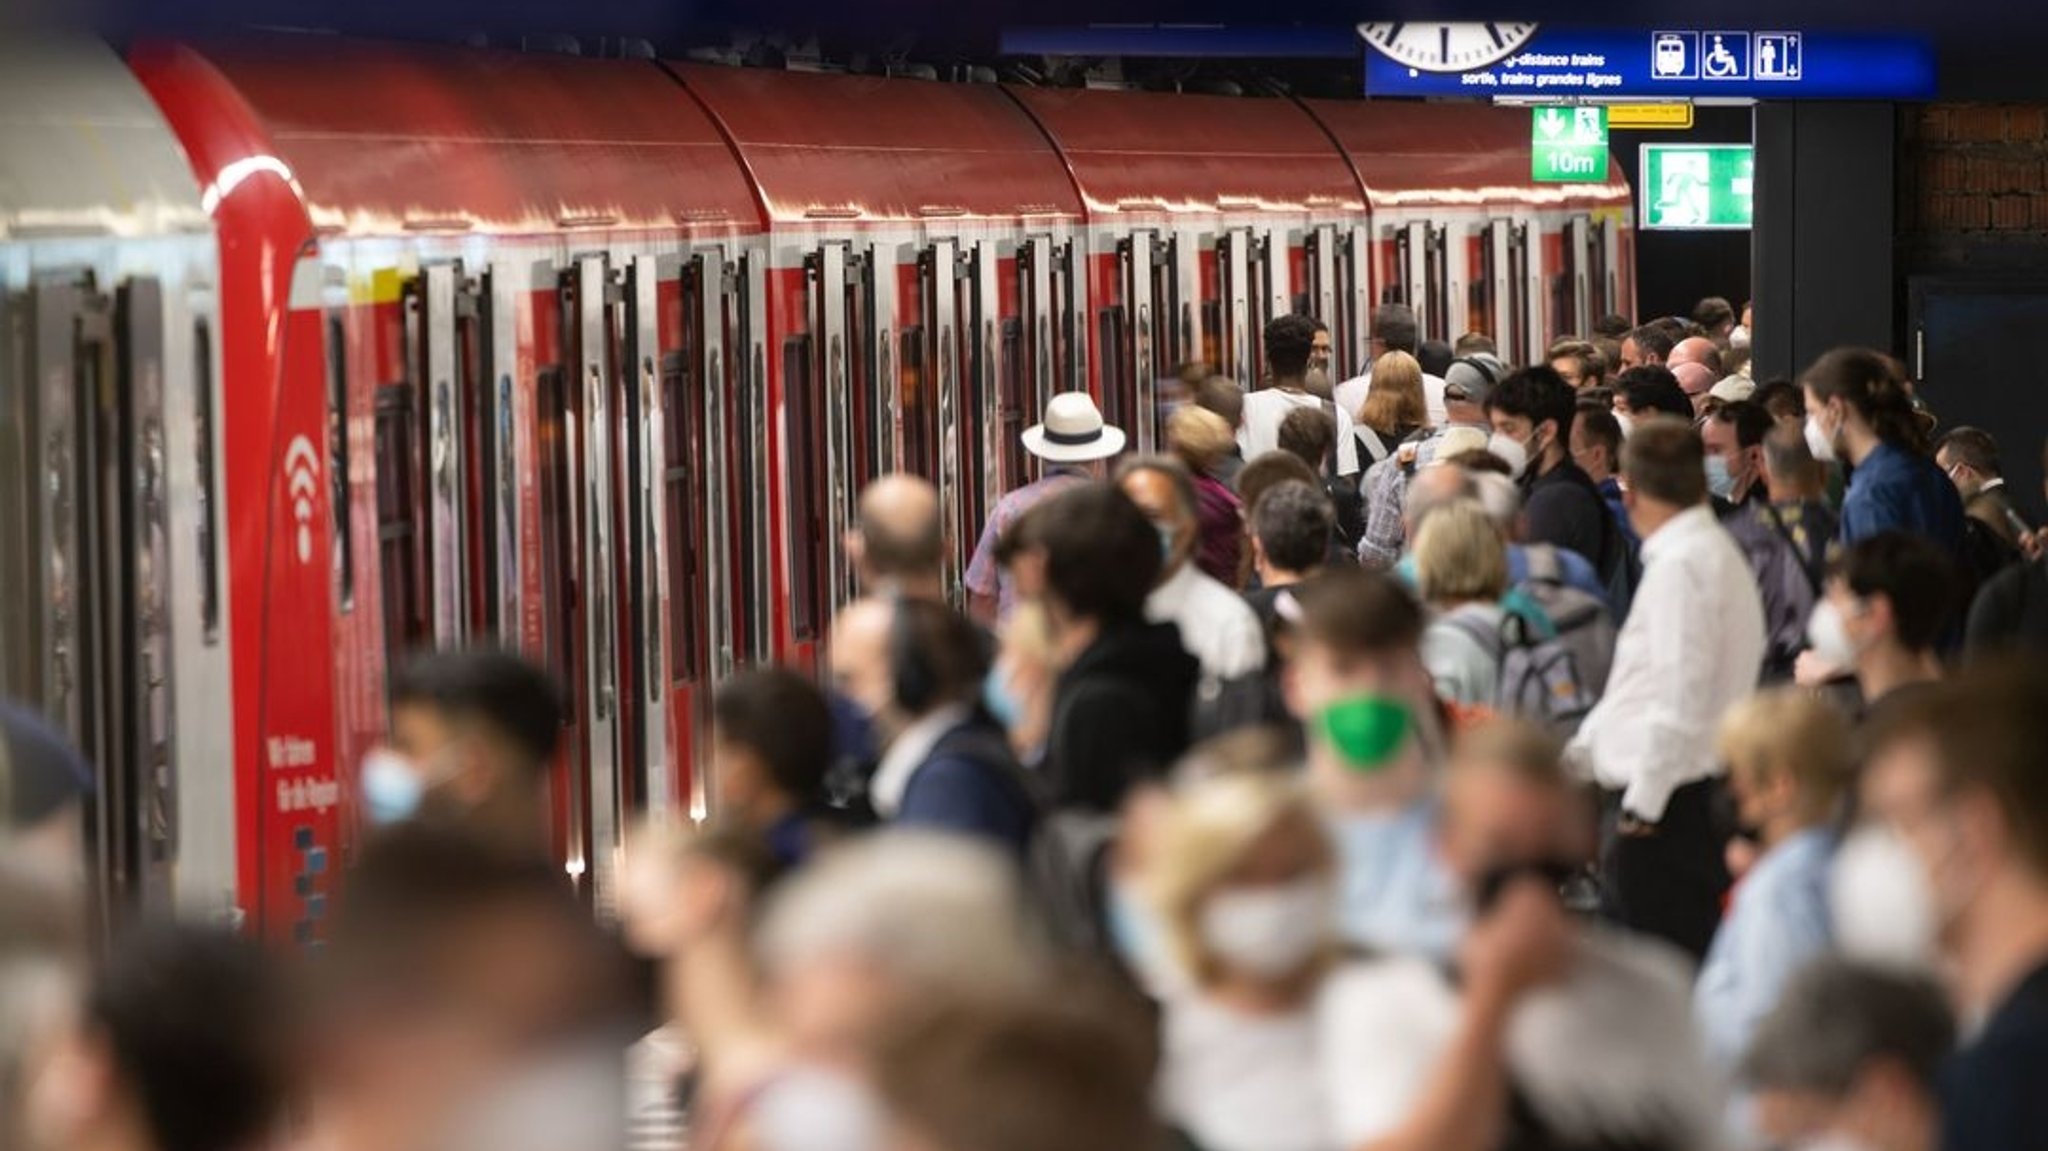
1473 377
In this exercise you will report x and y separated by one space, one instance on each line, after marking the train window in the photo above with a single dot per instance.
209 491
406 627
920 414
681 450
480 548
1112 336
1014 404
806 487
337 464
1212 333
1302 306
557 542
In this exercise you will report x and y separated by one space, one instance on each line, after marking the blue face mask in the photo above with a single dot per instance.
1165 543
996 697
1719 480
1137 938
391 789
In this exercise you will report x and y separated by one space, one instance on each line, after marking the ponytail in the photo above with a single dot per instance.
1875 385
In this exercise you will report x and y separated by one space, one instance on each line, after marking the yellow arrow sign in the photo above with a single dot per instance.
1641 116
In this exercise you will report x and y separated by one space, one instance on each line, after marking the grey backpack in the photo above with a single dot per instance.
1553 648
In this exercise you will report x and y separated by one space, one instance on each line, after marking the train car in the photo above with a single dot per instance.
1459 231
920 266
503 310
320 352
1203 222
114 612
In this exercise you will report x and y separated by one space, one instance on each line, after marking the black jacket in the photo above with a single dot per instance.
1563 508
1119 714
2011 611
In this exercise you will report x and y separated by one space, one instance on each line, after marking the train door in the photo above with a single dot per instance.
86 573
693 506
647 746
1525 265
576 420
936 385
1493 294
1150 338
824 418
1423 275
1241 344
1325 290
1271 271
991 404
1045 330
1355 271
1605 267
1577 278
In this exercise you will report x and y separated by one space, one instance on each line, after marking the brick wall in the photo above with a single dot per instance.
1973 184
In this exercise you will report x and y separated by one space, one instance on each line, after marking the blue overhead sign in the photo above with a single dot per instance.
1687 63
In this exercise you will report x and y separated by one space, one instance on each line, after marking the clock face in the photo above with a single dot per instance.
1436 46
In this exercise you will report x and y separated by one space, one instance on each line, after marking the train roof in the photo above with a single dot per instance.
857 148
385 139
83 149
1153 153
1411 154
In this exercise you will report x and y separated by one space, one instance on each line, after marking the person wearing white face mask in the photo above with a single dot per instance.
1883 609
1858 412
1534 408
1954 787
1240 880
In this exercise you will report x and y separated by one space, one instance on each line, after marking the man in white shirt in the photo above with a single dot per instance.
1693 646
1290 343
1216 626
1393 330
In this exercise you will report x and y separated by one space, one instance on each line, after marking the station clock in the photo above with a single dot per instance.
1440 46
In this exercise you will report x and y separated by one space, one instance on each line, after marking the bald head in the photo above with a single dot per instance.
1696 350
899 544
1431 488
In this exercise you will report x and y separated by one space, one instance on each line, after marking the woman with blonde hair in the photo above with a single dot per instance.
1201 439
1394 407
1238 877
1790 767
1461 572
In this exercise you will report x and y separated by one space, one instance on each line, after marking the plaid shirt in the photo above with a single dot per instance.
984 577
1386 488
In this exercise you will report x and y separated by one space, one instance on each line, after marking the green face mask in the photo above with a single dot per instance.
1366 729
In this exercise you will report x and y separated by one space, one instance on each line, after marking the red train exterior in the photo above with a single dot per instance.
591 357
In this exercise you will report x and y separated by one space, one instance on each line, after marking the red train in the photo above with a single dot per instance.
320 351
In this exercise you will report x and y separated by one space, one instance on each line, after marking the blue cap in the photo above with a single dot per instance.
40 770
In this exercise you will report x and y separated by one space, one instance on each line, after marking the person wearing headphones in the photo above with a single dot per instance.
916 668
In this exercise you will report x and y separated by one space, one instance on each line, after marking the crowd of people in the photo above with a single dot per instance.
1611 751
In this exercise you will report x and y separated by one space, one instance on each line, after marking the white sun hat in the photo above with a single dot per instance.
1073 432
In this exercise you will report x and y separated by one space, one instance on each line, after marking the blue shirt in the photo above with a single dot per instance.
1779 921
1392 892
1897 490
1610 491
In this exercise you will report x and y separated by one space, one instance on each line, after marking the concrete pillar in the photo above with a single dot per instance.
1822 242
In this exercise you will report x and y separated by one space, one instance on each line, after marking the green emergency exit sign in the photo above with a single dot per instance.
1568 145
1698 185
